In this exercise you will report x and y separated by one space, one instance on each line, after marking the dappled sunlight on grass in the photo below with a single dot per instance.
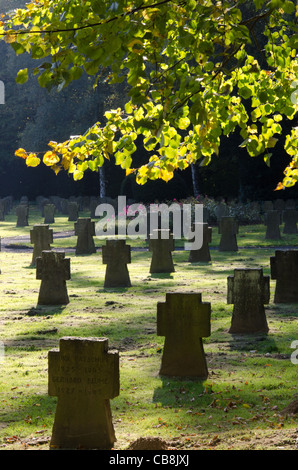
251 378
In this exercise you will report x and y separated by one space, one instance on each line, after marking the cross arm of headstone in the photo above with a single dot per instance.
184 309
56 261
265 289
86 365
118 252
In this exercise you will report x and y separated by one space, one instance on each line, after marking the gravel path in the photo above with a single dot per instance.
14 244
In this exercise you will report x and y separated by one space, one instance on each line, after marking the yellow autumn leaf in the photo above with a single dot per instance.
166 175
78 175
53 144
21 153
130 170
66 161
50 158
32 160
56 168
72 167
279 187
10 37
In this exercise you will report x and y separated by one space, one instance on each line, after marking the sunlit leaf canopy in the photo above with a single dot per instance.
190 74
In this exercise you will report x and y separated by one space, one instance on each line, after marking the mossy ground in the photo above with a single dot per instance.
251 377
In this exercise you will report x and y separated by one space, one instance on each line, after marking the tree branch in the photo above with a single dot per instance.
92 25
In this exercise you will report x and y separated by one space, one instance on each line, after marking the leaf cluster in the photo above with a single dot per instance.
191 79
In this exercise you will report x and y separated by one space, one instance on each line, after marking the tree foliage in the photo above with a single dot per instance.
191 75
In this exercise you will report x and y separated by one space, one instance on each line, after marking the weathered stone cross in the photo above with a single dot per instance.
203 254
54 270
85 230
248 290
41 236
84 376
284 268
184 320
161 243
228 228
116 255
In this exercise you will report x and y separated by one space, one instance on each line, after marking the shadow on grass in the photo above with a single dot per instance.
35 411
43 310
262 342
161 276
180 391
284 310
114 290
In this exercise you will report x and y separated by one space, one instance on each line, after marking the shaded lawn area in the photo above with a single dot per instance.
251 377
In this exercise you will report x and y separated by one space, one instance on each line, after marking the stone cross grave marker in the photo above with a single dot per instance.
116 255
84 376
41 236
54 270
221 210
184 320
268 206
85 230
228 229
203 253
290 204
93 205
22 212
49 213
64 206
161 244
73 211
42 202
248 290
279 205
24 200
290 219
272 222
284 268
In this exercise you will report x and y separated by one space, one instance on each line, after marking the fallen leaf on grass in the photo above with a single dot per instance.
215 440
11 439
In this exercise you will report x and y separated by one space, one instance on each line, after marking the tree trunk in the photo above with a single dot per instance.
195 182
102 182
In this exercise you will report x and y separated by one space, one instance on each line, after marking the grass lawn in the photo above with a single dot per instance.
251 377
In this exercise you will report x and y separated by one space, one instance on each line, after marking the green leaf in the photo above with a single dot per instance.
92 165
245 92
267 158
18 48
288 7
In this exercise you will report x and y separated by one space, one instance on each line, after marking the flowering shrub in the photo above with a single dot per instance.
246 214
